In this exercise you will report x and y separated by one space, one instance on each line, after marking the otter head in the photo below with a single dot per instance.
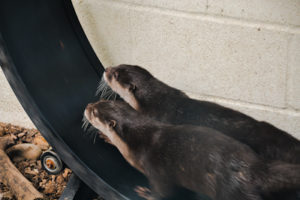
99 115
109 117
127 81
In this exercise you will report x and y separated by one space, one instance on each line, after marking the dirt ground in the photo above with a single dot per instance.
50 185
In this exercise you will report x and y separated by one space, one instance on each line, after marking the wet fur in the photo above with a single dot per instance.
197 158
167 104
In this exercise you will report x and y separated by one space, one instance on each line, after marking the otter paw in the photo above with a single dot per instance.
143 192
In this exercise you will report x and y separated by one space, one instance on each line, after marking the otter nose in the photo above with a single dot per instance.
88 107
108 69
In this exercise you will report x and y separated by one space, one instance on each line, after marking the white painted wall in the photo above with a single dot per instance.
11 110
240 53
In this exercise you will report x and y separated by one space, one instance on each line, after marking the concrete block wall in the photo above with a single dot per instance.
11 110
239 53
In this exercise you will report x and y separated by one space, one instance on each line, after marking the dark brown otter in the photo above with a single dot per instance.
199 159
154 98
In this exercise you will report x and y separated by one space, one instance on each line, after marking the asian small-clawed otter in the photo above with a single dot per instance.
154 98
197 158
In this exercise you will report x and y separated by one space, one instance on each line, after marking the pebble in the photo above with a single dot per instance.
24 151
31 172
6 195
52 185
66 172
49 188
1 131
21 134
41 142
60 179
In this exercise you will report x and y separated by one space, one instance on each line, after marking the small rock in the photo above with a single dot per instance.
7 195
24 151
1 131
41 142
36 180
50 185
49 188
43 183
66 172
31 133
60 179
59 191
44 175
31 172
21 134
14 129
39 165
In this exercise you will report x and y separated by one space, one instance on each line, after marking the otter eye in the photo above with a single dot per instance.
132 87
116 75
95 111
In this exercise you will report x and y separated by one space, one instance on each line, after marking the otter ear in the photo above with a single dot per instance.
132 87
116 75
112 123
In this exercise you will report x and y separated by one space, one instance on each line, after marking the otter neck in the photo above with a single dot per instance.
160 97
134 141
139 136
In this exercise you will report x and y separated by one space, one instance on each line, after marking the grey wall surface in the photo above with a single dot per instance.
11 110
242 54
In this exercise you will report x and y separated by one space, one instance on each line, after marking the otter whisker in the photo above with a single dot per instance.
108 98
95 136
105 91
92 129
108 94
100 90
101 86
89 129
93 132
114 96
85 123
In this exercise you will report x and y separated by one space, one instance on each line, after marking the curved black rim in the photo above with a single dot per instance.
46 64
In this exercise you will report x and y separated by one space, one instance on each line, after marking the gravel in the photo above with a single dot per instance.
50 185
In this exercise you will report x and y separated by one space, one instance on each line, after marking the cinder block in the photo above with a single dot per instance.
233 62
293 91
274 11
187 5
11 110
244 63
108 29
179 5
284 119
191 53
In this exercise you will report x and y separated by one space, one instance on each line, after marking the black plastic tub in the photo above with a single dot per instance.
54 73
